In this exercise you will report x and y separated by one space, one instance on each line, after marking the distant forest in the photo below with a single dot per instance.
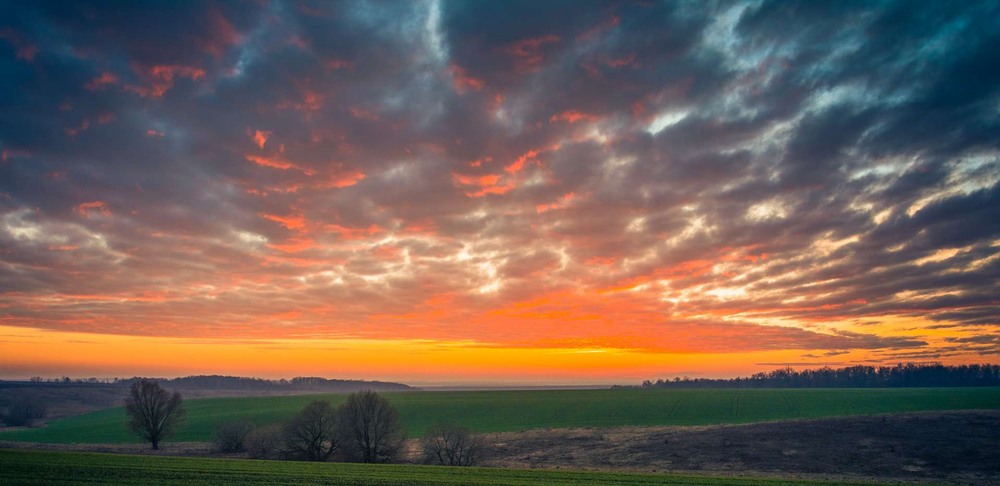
302 383
898 376
218 382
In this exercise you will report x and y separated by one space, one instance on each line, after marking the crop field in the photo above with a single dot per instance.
501 411
48 467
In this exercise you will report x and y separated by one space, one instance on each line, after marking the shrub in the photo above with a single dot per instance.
451 445
25 410
264 442
231 436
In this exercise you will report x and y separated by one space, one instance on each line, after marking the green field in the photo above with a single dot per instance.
48 467
498 411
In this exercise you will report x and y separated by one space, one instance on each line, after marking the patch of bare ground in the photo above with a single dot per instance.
951 447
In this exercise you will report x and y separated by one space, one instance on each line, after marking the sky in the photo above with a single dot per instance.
497 192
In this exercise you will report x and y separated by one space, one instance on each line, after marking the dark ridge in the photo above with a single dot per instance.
218 382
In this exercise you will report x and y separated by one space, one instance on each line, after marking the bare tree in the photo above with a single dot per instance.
24 409
153 412
451 445
312 433
370 427
231 436
265 441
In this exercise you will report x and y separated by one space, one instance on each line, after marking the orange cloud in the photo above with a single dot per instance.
276 162
334 64
480 162
386 252
292 245
462 81
103 81
259 137
487 184
23 49
352 233
85 209
482 181
563 202
572 116
295 221
7 154
74 131
312 100
528 156
518 163
273 162
222 34
349 179
497 190
161 78
527 51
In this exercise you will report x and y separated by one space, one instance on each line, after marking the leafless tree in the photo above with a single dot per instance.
24 409
231 436
265 441
451 445
312 433
370 427
153 412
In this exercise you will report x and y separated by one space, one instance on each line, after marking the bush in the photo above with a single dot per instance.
25 410
265 442
231 436
451 445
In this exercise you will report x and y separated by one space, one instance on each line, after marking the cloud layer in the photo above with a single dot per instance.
669 178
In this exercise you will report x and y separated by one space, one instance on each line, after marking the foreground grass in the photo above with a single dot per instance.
500 411
49 467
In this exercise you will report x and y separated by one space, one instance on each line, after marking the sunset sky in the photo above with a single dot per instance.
497 192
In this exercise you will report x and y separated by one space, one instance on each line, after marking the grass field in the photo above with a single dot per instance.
499 411
48 467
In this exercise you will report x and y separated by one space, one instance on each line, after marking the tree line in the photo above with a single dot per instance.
300 383
365 428
897 376
222 382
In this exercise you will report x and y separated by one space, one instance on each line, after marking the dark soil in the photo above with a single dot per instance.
952 447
